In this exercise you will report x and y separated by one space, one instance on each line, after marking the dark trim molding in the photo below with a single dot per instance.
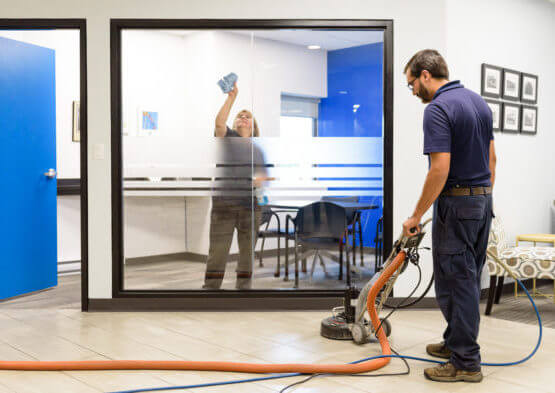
69 186
138 300
220 303
81 25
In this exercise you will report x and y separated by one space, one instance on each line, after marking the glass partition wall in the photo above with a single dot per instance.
252 159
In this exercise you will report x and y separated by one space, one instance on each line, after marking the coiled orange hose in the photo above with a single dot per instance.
363 367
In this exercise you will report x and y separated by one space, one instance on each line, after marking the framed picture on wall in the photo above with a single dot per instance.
529 88
76 129
496 109
529 119
148 122
491 80
511 117
511 84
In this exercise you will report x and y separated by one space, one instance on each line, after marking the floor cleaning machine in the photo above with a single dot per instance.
350 322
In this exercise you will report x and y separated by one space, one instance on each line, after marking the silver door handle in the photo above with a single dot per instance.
51 173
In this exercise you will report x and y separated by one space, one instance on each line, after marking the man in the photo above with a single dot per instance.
458 140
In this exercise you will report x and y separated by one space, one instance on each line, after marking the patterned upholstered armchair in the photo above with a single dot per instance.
525 262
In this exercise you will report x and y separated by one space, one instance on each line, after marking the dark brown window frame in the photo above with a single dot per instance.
230 300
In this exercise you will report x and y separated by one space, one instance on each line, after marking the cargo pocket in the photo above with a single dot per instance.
452 263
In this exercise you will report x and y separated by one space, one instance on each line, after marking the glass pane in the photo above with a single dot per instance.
187 188
206 176
332 153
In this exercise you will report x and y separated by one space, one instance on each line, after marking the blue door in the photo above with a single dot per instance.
28 253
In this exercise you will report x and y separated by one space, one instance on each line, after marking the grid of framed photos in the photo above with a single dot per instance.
512 96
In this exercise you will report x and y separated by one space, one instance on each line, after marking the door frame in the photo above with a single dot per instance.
81 25
134 300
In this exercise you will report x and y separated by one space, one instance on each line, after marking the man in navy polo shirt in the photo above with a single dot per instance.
458 140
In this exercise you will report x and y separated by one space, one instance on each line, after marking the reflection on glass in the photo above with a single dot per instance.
251 127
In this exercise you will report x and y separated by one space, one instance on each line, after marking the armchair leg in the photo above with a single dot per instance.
491 294
499 289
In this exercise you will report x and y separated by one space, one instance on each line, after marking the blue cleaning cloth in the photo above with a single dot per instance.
227 82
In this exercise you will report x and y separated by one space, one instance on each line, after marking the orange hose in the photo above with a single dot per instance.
369 365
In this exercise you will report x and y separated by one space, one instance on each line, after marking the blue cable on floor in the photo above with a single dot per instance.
355 362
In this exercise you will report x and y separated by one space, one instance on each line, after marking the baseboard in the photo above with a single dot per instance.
427 302
196 257
509 288
291 303
157 258
430 302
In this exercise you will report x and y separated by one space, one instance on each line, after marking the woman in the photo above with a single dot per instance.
232 212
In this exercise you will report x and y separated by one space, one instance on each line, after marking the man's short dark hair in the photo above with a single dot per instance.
430 60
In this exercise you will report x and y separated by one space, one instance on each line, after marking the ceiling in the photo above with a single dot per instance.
325 39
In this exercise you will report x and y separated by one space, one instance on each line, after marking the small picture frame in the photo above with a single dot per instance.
148 121
529 88
496 111
511 117
511 84
492 78
529 119
76 130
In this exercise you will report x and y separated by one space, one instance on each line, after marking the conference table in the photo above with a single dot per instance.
352 212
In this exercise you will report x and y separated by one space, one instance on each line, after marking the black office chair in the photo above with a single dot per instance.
320 227
352 225
276 233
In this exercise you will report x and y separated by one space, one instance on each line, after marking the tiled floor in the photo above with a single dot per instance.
49 334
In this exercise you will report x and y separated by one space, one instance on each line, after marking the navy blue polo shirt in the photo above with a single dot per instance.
459 121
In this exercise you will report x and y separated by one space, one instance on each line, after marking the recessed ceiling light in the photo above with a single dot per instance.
313 47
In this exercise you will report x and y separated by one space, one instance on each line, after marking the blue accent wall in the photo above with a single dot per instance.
355 77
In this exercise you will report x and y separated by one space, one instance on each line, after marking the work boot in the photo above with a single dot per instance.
446 372
438 350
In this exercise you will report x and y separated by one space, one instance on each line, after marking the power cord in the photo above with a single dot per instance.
399 306
351 375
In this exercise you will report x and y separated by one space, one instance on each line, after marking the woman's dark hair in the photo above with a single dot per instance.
430 60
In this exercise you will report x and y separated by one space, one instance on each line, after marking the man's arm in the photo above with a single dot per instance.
435 181
492 162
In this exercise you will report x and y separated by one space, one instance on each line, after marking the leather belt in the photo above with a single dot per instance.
466 191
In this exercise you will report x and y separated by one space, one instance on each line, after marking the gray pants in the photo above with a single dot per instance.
225 219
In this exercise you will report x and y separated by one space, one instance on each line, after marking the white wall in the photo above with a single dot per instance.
516 34
523 39
417 25
66 45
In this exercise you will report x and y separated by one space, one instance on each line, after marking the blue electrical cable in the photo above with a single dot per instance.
355 362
